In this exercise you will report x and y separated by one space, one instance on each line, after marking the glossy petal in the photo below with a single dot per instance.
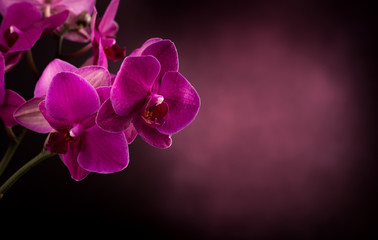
54 123
54 67
11 103
139 51
71 98
130 133
70 160
103 152
109 15
30 116
97 76
133 83
77 6
183 102
103 93
151 135
109 121
166 53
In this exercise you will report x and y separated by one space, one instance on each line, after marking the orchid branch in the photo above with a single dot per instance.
24 169
31 63
13 145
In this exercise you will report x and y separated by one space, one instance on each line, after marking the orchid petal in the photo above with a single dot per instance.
54 67
130 133
110 121
71 98
70 160
183 102
103 93
103 152
133 82
78 6
11 103
151 135
97 76
109 15
139 51
30 116
54 123
166 53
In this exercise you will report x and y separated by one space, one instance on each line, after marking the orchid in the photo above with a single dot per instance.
90 116
103 37
18 34
77 9
148 93
70 107
29 114
9 100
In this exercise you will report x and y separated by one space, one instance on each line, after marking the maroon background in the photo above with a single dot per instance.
284 146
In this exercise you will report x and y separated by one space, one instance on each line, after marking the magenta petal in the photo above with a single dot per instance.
103 93
11 103
133 83
29 116
56 124
54 67
103 152
183 102
110 121
109 15
97 76
130 133
138 51
70 160
151 135
166 53
71 98
77 6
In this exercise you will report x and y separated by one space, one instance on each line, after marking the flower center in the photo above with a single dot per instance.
155 110
58 140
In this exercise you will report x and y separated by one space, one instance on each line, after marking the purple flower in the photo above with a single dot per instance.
76 8
70 108
103 37
18 34
9 100
149 93
29 114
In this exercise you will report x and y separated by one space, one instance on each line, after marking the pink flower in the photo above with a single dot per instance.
70 108
103 37
18 34
149 93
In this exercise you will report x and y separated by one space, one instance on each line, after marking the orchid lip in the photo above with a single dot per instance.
155 110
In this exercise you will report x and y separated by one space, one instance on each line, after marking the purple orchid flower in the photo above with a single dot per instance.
29 114
48 8
103 37
70 108
9 100
18 34
149 93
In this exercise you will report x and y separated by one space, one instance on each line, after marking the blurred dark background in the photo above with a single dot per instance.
284 146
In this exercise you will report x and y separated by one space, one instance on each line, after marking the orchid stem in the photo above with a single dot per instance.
60 41
31 63
24 169
13 145
78 53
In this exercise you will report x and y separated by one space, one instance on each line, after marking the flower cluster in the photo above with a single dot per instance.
89 114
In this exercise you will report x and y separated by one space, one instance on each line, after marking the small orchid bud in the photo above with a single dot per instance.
84 19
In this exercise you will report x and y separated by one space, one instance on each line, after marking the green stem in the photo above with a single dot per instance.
24 169
60 41
13 145
78 53
31 63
